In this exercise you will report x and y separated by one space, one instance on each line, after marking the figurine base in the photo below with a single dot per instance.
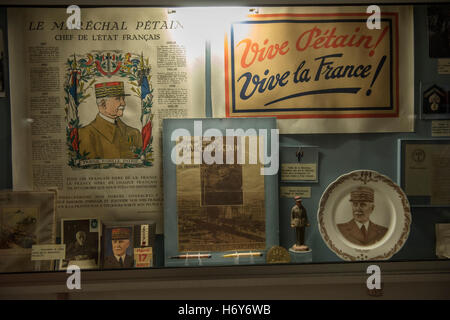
299 249
301 256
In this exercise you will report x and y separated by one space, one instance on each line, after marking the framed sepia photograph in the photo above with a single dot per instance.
127 245
26 219
82 240
218 199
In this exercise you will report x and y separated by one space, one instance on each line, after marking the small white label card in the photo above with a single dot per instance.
298 172
299 163
440 128
291 192
48 252
443 66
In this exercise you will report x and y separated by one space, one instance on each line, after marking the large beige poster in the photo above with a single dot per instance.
220 207
88 104
318 70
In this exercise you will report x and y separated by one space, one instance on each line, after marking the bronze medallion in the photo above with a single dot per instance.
278 254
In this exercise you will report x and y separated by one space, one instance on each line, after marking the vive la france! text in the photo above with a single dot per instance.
324 67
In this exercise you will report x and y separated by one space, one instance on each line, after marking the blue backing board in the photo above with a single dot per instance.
342 153
170 187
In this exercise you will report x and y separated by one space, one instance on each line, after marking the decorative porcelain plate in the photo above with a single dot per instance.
364 215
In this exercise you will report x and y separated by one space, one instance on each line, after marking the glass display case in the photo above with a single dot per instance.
249 151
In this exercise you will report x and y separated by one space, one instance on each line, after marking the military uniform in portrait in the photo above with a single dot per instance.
107 136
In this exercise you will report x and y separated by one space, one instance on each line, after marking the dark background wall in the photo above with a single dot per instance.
5 116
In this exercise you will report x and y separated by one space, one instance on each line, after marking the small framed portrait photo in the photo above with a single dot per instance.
118 248
128 244
82 240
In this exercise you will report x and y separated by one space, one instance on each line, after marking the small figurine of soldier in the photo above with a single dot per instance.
299 220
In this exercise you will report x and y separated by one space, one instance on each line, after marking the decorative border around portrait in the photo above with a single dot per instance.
170 195
387 248
81 74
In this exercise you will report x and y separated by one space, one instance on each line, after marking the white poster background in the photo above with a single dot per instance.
32 27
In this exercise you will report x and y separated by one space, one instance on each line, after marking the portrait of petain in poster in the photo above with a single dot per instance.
107 138
90 122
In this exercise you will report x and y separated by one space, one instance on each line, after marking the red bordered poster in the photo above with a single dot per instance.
319 69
